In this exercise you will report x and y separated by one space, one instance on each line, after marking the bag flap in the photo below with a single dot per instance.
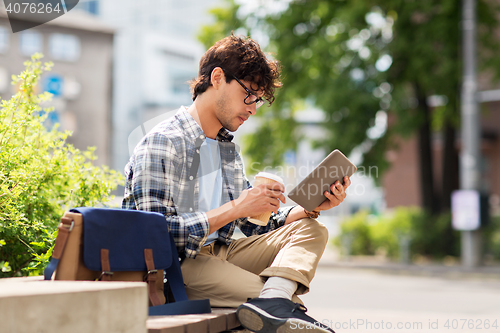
125 233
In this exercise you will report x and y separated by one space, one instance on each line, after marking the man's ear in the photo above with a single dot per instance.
217 78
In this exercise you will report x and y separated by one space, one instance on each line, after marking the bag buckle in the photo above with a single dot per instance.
150 272
70 227
104 273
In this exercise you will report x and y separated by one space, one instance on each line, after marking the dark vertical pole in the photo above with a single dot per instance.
470 154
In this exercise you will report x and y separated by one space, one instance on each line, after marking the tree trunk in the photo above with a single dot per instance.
450 166
429 198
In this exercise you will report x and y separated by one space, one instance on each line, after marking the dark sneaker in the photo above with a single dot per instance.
277 315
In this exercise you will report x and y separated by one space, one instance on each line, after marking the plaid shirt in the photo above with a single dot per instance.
161 178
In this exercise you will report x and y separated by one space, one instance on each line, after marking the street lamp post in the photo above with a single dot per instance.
470 155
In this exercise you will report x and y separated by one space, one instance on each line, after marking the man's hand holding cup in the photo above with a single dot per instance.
263 198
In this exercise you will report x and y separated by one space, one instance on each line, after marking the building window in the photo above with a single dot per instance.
64 47
180 84
4 80
30 42
91 6
4 39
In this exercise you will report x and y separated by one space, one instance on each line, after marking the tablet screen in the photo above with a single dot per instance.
309 193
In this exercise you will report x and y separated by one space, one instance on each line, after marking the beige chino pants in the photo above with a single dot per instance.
230 274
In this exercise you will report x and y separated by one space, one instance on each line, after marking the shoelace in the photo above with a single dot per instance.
299 307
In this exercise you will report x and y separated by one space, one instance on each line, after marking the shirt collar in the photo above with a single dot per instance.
224 135
193 129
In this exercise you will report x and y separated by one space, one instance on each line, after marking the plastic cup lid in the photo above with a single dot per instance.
270 176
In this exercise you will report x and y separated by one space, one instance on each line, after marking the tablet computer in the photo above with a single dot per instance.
309 193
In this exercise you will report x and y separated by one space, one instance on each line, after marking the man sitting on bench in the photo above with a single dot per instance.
188 169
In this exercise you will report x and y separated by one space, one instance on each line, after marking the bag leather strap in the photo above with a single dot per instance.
151 277
181 305
105 266
174 275
193 172
65 228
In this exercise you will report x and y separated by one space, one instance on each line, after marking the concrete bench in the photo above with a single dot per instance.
219 320
29 304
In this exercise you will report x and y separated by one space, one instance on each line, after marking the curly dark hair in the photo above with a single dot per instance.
243 58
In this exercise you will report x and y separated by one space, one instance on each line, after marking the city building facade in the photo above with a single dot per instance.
81 48
156 53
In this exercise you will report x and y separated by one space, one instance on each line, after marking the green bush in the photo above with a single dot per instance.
492 238
389 229
355 234
434 236
429 236
40 176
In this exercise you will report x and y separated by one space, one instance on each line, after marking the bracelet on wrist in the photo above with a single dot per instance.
312 215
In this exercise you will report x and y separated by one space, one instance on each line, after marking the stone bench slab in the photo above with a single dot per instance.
30 305
218 321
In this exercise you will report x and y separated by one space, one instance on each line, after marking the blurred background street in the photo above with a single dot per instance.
408 90
376 300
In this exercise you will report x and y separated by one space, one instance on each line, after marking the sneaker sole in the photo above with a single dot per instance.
257 320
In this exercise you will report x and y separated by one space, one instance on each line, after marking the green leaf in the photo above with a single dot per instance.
40 175
5 267
330 54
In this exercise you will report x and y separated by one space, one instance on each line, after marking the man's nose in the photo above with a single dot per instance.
252 109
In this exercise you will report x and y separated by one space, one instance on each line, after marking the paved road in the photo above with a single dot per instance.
356 300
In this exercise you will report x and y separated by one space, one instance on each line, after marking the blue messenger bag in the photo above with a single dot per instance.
122 245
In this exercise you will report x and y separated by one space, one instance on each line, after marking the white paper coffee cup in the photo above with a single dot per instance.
265 178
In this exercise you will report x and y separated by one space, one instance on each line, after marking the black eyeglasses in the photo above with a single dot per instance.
251 97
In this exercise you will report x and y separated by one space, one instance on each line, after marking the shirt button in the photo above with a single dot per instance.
202 137
230 151
190 177
198 151
190 209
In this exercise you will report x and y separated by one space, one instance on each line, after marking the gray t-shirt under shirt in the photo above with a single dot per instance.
210 180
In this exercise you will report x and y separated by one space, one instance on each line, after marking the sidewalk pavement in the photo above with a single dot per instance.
332 259
362 300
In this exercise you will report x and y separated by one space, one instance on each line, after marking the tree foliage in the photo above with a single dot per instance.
429 236
40 176
363 62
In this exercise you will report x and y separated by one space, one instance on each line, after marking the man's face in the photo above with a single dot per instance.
231 110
